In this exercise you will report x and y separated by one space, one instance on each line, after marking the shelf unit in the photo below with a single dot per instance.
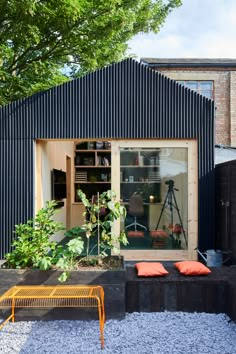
140 173
92 168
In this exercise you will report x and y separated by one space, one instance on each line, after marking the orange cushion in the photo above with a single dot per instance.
150 269
192 268
158 233
135 233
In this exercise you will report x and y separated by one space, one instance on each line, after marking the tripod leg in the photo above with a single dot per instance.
162 209
172 219
181 223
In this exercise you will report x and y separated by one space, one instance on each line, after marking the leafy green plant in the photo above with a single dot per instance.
102 227
32 246
67 256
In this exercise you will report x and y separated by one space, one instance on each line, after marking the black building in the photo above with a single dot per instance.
127 104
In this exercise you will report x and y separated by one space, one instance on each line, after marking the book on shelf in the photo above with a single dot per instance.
81 176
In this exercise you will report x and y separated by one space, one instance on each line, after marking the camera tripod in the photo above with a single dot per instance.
170 201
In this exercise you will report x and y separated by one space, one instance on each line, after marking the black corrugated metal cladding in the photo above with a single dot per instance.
126 100
16 187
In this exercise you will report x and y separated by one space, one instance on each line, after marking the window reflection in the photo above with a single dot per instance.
205 88
154 189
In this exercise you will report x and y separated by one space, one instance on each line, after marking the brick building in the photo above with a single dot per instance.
214 78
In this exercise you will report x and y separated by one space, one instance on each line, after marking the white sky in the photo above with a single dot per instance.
197 29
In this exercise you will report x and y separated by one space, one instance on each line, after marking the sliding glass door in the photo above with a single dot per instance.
156 188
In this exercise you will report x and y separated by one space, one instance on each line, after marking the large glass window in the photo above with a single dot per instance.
205 88
154 189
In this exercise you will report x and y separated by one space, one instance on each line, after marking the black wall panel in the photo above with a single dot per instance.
225 222
16 187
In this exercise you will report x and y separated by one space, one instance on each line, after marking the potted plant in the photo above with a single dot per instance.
176 231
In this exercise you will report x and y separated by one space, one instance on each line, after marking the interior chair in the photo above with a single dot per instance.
136 210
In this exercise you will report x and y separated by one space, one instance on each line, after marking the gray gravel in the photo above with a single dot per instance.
144 333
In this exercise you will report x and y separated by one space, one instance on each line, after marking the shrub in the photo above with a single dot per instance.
32 246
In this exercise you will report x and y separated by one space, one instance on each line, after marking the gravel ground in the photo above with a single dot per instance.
139 333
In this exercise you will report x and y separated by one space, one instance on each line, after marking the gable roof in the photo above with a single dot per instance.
122 100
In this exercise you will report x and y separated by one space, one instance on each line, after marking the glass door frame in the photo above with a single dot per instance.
192 148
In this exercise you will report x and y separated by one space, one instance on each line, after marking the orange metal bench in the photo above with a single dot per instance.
55 296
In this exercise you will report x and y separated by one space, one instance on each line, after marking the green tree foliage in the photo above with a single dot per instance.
39 37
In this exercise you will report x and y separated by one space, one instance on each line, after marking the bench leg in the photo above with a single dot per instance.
101 323
103 313
12 316
13 310
7 320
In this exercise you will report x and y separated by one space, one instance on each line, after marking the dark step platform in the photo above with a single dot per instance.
213 293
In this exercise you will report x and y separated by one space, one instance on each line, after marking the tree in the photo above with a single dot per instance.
39 37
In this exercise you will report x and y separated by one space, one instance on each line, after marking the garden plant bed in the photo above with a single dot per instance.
125 292
112 280
106 263
90 263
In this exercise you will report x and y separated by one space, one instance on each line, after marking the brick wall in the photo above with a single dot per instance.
233 108
222 100
224 97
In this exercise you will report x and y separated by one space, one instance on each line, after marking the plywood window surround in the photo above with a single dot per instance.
49 155
137 144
